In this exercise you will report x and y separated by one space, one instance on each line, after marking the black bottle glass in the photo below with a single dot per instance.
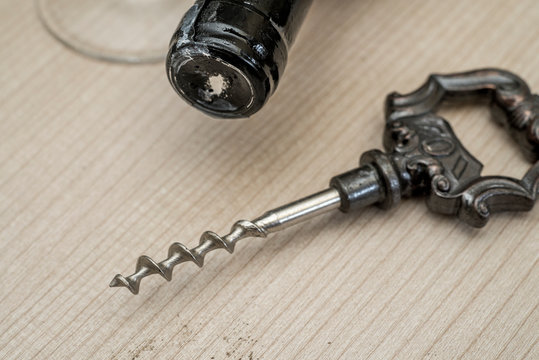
226 57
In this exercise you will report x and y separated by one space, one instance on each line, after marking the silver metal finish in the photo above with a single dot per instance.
299 211
272 221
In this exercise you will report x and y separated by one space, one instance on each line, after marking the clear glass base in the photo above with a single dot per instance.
127 31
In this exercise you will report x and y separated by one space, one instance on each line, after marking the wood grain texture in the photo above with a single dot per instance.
100 163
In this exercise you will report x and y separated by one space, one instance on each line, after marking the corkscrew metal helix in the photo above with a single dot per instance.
423 157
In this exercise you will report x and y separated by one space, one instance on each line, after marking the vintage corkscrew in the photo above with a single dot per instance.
423 157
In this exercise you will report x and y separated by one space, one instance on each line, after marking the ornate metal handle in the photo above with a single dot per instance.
429 158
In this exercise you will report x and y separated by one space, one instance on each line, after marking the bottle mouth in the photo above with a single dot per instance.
226 59
211 83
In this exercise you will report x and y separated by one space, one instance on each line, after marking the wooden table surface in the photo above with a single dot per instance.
100 163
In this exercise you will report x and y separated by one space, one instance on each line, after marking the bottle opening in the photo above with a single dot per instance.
214 86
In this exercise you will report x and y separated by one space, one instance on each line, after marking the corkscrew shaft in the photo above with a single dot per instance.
271 221
299 211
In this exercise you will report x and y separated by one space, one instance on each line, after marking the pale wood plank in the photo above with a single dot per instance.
100 163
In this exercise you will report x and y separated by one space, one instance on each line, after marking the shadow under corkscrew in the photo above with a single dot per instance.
179 253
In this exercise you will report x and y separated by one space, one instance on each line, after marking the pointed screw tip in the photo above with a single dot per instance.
121 281
115 283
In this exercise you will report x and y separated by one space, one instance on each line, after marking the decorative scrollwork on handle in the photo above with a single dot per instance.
434 161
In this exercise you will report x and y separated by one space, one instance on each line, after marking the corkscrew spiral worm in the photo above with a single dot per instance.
271 221
179 253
